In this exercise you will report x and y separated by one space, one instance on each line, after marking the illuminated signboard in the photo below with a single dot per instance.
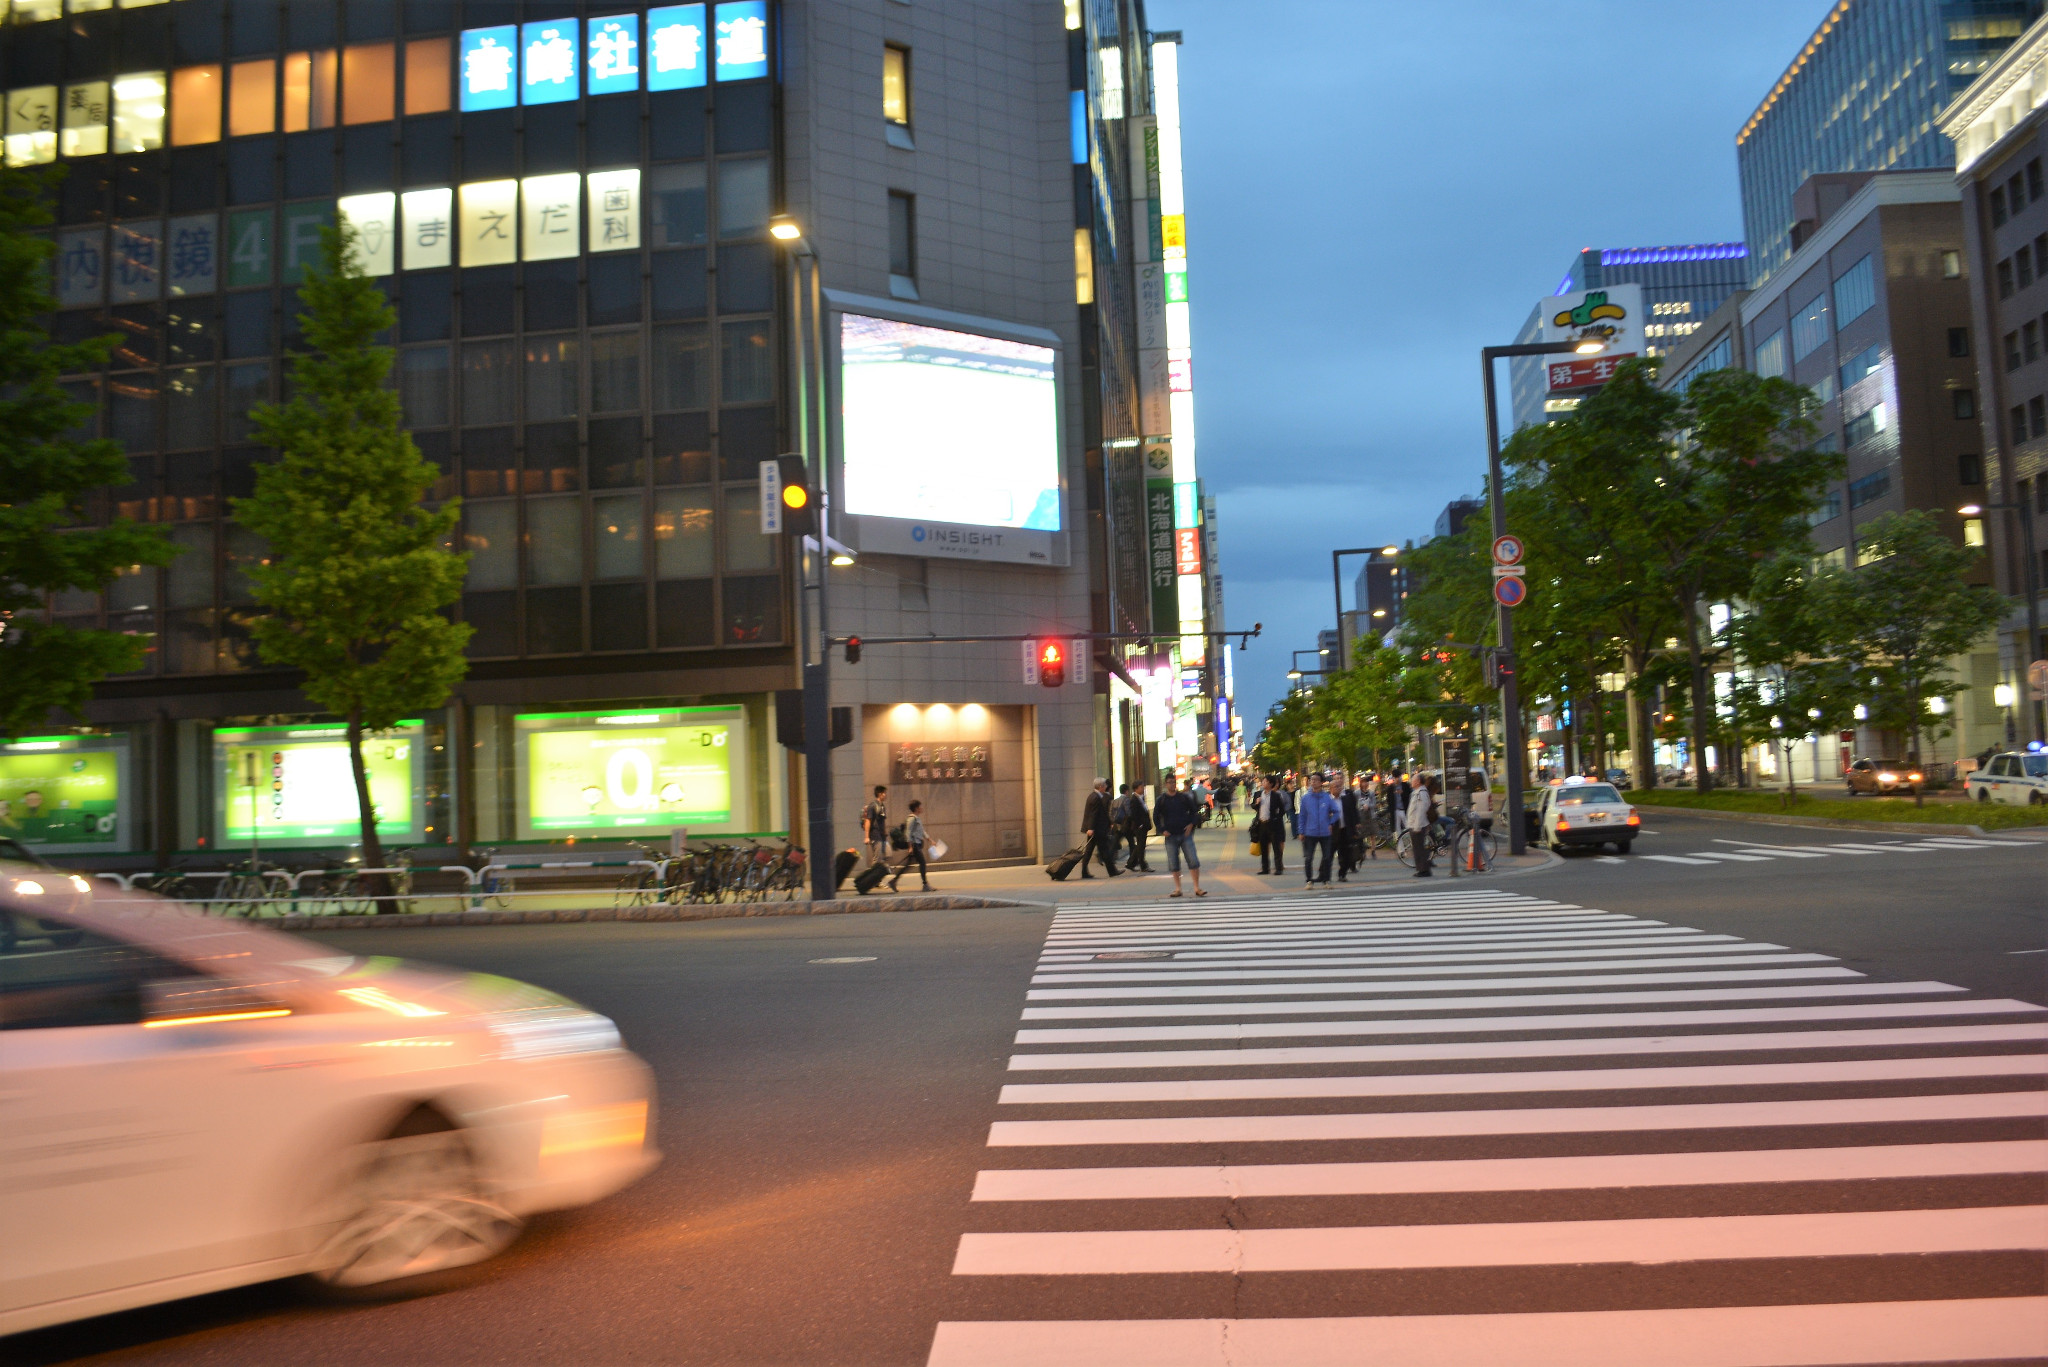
613 60
675 47
64 793
742 39
644 770
1187 550
950 441
489 56
304 791
547 63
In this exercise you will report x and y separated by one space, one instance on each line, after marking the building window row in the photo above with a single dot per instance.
2023 267
2025 344
1869 489
2028 420
2015 194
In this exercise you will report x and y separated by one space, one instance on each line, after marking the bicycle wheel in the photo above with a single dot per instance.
1404 848
1473 851
638 889
240 894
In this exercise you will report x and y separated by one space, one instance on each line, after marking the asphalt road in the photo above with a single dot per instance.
824 1123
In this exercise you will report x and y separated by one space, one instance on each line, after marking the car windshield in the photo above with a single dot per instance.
1591 792
2036 765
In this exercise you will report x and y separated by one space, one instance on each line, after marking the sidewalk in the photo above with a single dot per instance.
1229 869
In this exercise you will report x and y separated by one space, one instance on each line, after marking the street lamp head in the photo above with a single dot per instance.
1971 510
1391 550
1590 346
783 228
1379 612
842 557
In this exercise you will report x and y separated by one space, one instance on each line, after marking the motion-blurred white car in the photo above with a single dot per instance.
1586 812
2019 778
188 1104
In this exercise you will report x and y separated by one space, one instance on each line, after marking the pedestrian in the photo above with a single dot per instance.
1420 819
1137 826
1175 817
1320 820
1269 826
913 831
1100 830
1352 803
874 826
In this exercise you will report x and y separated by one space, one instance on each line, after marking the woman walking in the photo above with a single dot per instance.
913 831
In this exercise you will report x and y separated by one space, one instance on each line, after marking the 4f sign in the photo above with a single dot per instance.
1507 550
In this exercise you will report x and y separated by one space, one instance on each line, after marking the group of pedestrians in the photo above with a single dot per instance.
911 838
1335 827
1124 822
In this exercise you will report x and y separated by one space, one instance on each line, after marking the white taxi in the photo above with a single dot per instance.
1585 812
2019 778
189 1103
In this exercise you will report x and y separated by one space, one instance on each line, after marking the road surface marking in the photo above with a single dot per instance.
1576 1080
1673 859
1279 1129
1718 944
1389 1006
1340 942
1622 941
1336 974
1050 994
1591 1172
1857 1335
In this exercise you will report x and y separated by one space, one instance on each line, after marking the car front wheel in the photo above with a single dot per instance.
2035 799
413 1205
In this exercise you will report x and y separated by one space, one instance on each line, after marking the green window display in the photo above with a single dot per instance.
64 794
645 770
294 784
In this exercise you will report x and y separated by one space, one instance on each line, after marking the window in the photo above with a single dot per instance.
2015 195
896 85
1823 390
1869 489
1973 531
1827 510
2012 351
2019 423
2037 416
682 534
1864 426
614 371
1864 363
428 85
675 198
1959 342
615 522
1770 355
1855 292
1963 403
195 105
550 377
369 82
902 243
2041 495
490 534
682 366
423 386
58 976
1969 469
2041 255
309 90
2034 178
2030 342
487 383
747 548
1951 265
746 367
252 98
2023 268
139 111
2005 278
1997 206
188 407
1810 327
554 540
743 197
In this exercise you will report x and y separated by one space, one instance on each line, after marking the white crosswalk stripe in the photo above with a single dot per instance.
1712 1106
1765 852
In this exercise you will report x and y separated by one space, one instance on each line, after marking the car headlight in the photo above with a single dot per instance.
550 1031
1887 778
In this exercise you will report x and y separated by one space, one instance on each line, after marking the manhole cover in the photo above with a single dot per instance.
1125 955
850 959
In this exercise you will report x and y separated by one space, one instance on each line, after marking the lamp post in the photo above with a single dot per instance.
805 287
1337 591
2030 582
1510 705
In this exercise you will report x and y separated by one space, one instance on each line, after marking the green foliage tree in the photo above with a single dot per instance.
1798 675
46 474
1905 613
359 570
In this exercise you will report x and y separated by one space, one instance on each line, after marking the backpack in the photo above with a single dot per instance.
897 839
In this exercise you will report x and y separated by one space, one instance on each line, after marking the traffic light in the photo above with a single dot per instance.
1052 664
853 650
795 501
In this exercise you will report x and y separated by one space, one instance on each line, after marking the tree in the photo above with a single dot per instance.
46 474
358 570
1798 674
1906 612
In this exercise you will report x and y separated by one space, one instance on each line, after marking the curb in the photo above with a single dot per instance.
1835 823
702 912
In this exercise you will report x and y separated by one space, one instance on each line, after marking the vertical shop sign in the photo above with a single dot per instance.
81 268
548 61
614 210
32 125
488 56
614 55
429 228
675 47
490 221
1159 541
84 120
192 255
138 262
742 38
549 216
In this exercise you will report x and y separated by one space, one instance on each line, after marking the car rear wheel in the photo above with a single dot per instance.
1983 794
2035 799
1622 846
413 1207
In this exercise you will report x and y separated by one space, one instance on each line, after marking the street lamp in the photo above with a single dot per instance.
1510 705
2030 582
1337 588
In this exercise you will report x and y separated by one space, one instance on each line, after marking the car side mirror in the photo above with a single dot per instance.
204 1001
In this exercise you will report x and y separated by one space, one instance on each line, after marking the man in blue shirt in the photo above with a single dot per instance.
1174 815
1319 819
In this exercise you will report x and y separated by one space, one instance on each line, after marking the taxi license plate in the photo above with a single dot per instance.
1596 816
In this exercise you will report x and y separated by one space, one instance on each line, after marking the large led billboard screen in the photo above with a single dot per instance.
294 784
949 442
651 770
64 793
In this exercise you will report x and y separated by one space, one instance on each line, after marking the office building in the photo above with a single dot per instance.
1681 286
2001 135
1863 94
1872 314
1457 513
598 344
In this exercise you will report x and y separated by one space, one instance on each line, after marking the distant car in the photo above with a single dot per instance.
1879 776
192 1103
1581 812
2018 778
1618 777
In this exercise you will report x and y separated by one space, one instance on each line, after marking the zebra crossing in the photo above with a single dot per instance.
1752 852
1455 1127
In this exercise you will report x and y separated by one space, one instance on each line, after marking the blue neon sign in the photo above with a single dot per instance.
675 47
613 54
547 66
742 36
489 56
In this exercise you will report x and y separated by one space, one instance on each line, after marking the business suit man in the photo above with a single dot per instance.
1098 826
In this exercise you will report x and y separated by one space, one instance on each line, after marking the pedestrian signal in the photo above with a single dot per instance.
1052 664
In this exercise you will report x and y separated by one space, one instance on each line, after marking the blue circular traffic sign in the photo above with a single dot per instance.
1509 592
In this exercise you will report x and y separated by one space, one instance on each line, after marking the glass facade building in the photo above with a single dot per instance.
1863 94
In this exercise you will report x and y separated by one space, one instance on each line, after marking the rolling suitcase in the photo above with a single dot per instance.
842 867
1059 868
864 883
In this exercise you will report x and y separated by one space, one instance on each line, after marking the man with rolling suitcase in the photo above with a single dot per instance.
1100 830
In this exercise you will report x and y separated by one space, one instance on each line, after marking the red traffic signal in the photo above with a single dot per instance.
1052 664
853 650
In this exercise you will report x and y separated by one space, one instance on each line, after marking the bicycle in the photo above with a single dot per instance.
247 888
1404 845
1472 845
641 886
1224 815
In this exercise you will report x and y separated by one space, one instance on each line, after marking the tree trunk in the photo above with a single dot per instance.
1599 728
1702 696
373 848
1642 750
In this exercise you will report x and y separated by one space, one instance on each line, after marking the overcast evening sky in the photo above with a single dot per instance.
1377 189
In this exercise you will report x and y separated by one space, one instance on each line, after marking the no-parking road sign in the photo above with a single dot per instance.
1509 591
